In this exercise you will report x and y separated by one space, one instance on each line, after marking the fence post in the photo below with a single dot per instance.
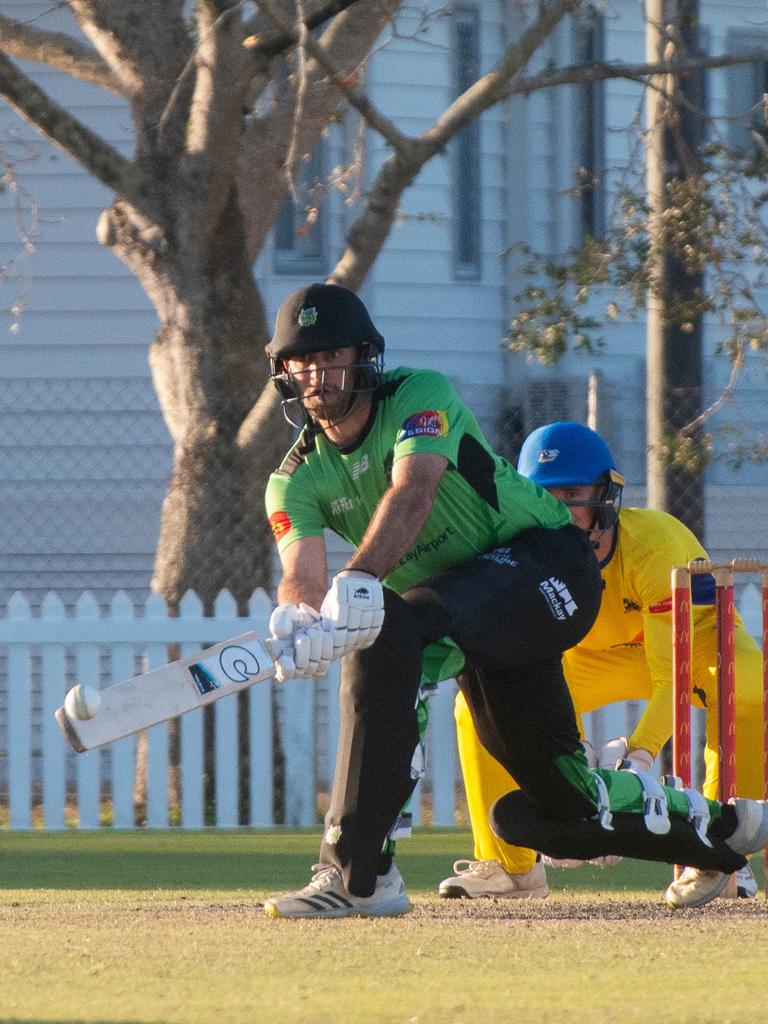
226 739
19 721
88 764
260 731
157 736
443 753
124 751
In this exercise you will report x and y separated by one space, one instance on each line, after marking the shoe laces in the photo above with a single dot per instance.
693 874
480 868
323 875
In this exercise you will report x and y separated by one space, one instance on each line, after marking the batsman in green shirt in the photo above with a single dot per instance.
461 567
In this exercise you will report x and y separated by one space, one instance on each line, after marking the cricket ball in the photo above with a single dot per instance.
82 702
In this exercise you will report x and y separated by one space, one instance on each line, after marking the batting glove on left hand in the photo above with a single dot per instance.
306 649
353 610
617 750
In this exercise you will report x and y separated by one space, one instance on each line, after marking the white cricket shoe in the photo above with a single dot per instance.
326 896
695 887
476 878
746 884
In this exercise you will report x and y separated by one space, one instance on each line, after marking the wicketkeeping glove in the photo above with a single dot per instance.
305 648
617 750
353 610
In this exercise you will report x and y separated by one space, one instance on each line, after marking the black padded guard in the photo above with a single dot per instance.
515 820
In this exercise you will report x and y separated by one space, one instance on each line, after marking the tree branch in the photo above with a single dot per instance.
347 42
345 83
584 74
270 44
69 134
367 235
57 50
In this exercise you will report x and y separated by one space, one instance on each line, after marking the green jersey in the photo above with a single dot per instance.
480 503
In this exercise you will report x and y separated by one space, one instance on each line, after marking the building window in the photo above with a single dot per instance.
467 187
299 228
590 115
746 87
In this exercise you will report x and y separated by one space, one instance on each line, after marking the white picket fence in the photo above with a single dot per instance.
43 782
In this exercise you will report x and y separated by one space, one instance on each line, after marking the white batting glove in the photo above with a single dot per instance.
353 610
305 648
618 750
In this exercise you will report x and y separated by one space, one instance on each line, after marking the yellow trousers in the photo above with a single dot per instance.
597 678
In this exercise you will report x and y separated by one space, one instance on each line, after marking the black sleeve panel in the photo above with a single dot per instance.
478 468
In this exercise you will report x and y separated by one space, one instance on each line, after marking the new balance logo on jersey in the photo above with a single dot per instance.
360 467
561 604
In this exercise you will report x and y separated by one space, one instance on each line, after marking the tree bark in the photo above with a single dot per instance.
209 369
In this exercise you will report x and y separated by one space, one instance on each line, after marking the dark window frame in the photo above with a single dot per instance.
589 45
466 150
307 253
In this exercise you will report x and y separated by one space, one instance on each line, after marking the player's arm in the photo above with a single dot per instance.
304 572
353 608
400 514
655 724
304 648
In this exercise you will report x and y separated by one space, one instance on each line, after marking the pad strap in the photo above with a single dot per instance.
603 815
698 814
655 810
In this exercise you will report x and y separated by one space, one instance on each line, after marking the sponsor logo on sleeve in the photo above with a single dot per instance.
281 523
430 423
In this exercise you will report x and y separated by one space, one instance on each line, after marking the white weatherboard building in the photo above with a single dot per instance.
84 452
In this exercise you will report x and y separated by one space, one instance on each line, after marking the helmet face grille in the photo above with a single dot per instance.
358 378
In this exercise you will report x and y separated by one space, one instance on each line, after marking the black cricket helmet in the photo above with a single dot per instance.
321 318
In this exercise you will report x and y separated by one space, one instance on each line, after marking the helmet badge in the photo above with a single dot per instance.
308 317
548 454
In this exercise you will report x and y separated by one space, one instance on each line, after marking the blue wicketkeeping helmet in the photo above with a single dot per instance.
566 454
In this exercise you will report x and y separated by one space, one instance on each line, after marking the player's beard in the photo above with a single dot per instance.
330 405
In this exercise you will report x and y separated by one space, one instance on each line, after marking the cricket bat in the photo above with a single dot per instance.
172 690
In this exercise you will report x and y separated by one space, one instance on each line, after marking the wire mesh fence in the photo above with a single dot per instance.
85 463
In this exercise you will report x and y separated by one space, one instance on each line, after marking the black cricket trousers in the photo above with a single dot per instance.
512 611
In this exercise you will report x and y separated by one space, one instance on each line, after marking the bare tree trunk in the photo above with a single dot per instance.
209 371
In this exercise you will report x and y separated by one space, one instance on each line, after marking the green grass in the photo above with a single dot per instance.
166 927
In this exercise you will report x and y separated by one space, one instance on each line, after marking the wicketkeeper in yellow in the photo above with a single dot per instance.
627 655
